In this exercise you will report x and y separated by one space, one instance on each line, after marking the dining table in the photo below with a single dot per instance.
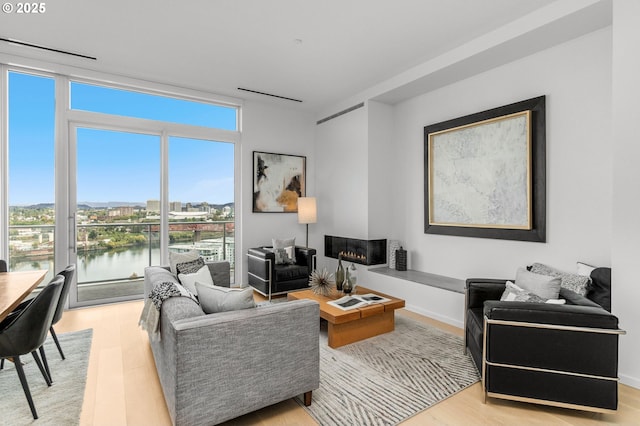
15 286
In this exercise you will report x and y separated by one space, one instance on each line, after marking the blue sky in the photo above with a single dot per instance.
115 166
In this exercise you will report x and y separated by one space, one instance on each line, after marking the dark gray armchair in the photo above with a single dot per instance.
560 355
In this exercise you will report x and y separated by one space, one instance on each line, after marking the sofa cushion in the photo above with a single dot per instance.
574 282
203 276
544 286
600 291
291 272
221 299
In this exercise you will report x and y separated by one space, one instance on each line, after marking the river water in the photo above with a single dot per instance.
101 266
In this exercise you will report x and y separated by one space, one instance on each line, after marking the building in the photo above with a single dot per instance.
153 206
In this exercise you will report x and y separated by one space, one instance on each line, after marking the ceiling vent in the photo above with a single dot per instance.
50 49
269 94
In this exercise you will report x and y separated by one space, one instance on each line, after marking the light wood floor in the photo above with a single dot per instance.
123 387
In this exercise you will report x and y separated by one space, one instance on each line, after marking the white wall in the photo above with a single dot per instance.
280 130
341 180
576 79
626 189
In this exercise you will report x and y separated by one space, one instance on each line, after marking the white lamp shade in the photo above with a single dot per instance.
307 212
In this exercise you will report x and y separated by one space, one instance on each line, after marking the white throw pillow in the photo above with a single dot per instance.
221 299
544 286
175 258
203 276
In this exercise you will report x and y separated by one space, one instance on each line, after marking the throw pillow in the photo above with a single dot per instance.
547 287
202 276
190 267
573 282
283 257
221 299
584 269
513 293
289 242
601 287
175 258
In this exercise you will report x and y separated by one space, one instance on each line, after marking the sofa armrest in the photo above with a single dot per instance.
259 261
546 313
479 290
232 356
304 256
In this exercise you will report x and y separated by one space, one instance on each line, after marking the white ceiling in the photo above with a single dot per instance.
318 51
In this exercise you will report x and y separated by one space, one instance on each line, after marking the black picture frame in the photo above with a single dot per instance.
537 230
278 181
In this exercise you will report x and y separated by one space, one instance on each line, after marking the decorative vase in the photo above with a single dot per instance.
353 276
347 286
339 274
401 259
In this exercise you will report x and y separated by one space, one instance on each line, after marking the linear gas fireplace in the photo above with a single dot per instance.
364 252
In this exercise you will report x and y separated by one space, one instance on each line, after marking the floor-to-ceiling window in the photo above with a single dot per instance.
141 174
30 177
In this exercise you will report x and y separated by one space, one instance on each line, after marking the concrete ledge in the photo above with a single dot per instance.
440 281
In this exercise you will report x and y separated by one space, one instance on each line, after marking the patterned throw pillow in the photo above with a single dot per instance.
573 282
513 293
190 267
282 257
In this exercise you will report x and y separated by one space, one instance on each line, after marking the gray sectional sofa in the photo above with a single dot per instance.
216 367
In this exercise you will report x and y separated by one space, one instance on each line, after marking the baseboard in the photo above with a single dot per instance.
434 315
634 382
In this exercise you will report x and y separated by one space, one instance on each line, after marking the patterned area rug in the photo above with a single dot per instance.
59 404
389 378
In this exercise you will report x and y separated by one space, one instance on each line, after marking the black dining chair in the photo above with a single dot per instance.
27 331
3 266
67 273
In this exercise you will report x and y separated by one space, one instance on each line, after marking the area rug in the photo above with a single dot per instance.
389 378
59 404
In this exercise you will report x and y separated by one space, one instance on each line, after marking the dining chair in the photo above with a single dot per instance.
67 273
27 331
3 266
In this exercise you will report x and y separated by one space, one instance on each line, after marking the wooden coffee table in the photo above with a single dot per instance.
355 324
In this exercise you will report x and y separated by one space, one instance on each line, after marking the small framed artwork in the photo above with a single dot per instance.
485 174
278 182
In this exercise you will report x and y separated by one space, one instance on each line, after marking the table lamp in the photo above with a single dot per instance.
307 213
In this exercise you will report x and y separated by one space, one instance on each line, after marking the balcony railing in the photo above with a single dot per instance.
115 254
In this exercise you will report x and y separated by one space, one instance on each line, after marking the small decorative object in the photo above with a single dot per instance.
321 282
401 259
347 286
353 276
339 274
393 246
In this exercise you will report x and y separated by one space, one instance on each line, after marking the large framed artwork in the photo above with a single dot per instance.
485 174
278 181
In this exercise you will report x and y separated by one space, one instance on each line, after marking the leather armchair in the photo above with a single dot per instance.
560 355
269 279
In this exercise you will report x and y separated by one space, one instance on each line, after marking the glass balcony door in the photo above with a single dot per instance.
114 200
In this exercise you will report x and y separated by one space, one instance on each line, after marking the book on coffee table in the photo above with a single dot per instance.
357 301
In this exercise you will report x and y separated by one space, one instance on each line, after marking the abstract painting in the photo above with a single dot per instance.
278 181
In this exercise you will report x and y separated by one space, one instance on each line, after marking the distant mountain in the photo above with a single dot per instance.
110 204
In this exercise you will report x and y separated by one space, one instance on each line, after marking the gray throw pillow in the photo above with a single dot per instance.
544 286
283 257
175 258
573 282
190 267
221 299
280 244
